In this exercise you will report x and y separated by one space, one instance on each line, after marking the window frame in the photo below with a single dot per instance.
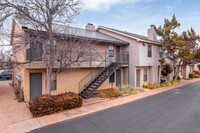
47 43
112 78
149 50
55 80
160 51
145 75
111 50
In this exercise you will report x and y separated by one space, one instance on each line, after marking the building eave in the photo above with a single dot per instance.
129 36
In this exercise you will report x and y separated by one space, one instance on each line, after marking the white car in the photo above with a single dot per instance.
1 71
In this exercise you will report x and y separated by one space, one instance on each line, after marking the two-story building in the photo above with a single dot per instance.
109 69
144 53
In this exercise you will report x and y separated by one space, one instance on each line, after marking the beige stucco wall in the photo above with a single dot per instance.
19 55
142 75
67 80
138 57
144 60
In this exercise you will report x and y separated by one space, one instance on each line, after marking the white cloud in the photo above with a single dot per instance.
103 5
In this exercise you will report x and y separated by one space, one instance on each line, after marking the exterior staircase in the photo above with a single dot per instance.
89 84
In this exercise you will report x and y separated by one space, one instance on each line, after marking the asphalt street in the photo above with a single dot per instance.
173 111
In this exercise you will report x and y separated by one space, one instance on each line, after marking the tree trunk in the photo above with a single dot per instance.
159 73
48 80
177 72
167 77
49 61
160 68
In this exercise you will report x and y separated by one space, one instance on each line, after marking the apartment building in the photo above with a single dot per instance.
144 53
123 58
109 69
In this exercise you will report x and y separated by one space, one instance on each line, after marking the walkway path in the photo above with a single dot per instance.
13 113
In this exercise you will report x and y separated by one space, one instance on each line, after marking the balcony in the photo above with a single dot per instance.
37 62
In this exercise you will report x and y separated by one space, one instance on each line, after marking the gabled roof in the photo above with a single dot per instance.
137 37
76 32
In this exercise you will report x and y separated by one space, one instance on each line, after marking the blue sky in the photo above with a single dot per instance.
137 15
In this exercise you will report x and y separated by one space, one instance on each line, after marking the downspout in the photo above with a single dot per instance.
105 53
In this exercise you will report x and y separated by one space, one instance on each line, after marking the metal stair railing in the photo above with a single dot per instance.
122 58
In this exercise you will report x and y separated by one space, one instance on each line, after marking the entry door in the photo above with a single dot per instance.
138 78
118 78
117 52
35 84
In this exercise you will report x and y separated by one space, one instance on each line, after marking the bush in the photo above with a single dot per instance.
150 86
172 82
129 90
145 85
107 93
197 72
178 78
155 85
191 75
169 83
50 104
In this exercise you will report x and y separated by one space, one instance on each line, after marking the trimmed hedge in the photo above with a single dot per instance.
50 104
191 75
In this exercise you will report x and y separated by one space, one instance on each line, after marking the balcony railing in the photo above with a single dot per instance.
98 59
122 58
33 54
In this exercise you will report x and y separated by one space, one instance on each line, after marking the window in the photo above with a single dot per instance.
112 78
181 72
111 50
145 74
48 46
35 52
53 86
160 52
149 50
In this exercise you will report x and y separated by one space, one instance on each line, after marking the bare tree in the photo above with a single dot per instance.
5 59
47 21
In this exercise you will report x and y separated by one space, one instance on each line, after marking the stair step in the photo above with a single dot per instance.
85 92
94 85
98 80
90 90
82 95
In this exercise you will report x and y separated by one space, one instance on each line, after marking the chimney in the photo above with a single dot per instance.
90 26
152 34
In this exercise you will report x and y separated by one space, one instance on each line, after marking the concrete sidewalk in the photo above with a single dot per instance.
29 123
13 112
